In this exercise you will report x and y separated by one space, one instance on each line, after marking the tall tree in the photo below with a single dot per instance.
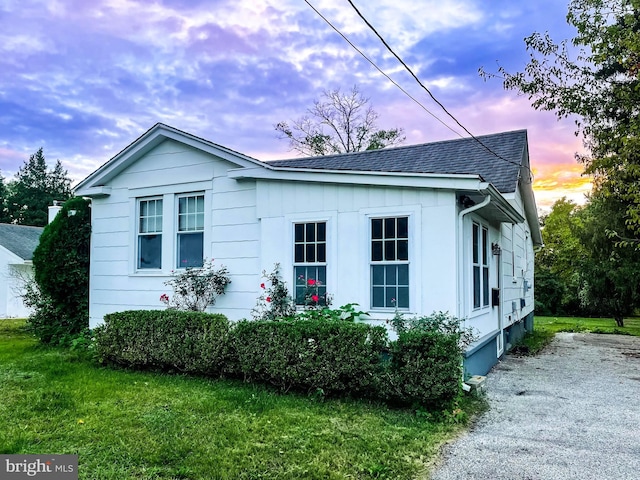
609 272
35 188
338 123
4 193
596 77
557 264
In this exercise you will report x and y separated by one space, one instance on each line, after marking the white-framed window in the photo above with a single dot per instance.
389 262
149 234
310 262
480 266
190 231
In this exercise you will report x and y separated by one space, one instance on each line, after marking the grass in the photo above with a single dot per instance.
142 425
546 327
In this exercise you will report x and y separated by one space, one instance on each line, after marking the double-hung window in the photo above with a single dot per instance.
310 262
390 262
480 266
190 231
149 254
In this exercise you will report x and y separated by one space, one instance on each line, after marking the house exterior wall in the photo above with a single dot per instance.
347 209
231 233
13 273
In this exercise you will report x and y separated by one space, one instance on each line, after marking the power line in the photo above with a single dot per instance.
379 69
428 91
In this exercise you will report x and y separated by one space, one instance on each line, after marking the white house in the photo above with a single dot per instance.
446 226
17 243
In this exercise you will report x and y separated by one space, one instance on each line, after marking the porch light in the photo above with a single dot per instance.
495 249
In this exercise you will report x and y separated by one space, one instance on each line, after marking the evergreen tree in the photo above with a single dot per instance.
4 193
35 189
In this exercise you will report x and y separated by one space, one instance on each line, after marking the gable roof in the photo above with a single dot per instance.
20 240
457 157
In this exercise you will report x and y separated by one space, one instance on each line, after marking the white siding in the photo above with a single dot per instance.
231 231
347 209
13 275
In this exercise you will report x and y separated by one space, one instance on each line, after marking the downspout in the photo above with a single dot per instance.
461 215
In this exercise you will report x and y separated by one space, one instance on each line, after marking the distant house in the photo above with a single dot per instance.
17 244
447 226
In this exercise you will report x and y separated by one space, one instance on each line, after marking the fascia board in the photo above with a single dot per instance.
502 203
418 180
13 259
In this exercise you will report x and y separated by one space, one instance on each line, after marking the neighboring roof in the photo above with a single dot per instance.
460 156
19 239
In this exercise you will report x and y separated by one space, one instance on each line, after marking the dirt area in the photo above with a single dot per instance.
572 412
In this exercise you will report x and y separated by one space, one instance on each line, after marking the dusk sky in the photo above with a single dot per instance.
83 79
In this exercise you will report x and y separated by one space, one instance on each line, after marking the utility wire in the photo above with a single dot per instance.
379 69
429 92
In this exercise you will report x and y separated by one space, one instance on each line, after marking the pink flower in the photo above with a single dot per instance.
315 298
311 282
268 299
262 285
164 298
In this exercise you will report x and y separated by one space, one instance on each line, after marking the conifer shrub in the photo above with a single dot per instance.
60 294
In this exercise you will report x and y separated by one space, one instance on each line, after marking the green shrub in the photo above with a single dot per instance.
60 297
192 342
425 360
324 356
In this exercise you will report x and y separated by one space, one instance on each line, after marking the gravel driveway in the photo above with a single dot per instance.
572 412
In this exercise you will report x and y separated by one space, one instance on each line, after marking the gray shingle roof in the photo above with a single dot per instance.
460 156
20 239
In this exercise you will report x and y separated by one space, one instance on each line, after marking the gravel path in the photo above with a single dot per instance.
572 412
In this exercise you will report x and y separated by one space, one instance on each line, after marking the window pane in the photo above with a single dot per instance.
322 252
485 286
376 228
403 227
300 274
190 250
149 251
200 221
377 275
389 228
144 225
403 250
475 243
322 232
376 251
390 299
310 232
403 274
391 272
182 205
390 250
321 276
310 253
299 253
403 297
298 232
476 287
484 246
377 297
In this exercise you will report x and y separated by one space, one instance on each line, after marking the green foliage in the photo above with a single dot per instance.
61 272
35 189
4 197
192 342
194 289
610 272
346 312
586 325
274 303
339 123
329 357
601 86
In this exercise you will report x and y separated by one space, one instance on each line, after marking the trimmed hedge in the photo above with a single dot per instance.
192 342
424 369
313 355
330 357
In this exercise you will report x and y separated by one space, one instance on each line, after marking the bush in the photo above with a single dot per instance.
328 357
192 342
61 272
424 370
194 289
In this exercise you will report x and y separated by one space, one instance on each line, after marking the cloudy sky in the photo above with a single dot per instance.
83 79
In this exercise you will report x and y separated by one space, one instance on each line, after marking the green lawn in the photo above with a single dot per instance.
139 425
581 324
